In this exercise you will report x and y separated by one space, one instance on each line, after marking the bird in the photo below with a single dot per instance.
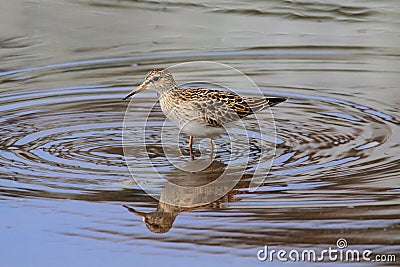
200 112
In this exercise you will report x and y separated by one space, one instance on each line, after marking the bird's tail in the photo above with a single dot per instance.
273 101
256 103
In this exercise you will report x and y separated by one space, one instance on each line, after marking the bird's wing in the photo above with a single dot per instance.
220 107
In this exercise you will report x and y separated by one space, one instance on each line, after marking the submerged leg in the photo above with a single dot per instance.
211 146
191 147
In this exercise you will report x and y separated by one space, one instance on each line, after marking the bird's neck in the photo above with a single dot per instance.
167 89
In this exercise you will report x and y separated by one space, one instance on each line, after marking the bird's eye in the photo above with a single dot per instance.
156 78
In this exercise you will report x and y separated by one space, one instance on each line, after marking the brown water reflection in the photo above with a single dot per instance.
162 219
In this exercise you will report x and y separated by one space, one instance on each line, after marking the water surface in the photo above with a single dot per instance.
63 177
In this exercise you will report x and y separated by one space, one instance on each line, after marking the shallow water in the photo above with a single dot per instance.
63 177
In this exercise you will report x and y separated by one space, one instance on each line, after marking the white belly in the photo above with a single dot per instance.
200 130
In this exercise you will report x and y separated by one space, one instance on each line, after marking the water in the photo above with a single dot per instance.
63 178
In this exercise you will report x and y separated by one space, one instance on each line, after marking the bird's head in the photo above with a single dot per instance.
158 79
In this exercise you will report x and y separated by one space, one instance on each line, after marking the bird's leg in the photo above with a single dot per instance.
191 147
211 147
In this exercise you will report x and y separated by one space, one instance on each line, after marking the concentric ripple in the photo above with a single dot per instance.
334 140
62 139
65 138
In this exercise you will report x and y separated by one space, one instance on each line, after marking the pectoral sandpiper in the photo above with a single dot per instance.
200 112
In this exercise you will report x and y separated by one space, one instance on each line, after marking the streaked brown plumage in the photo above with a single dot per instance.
200 112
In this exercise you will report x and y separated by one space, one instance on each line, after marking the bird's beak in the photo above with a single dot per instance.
141 87
138 213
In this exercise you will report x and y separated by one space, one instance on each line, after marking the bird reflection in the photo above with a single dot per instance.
162 219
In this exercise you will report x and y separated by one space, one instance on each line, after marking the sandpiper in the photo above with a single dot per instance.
200 112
